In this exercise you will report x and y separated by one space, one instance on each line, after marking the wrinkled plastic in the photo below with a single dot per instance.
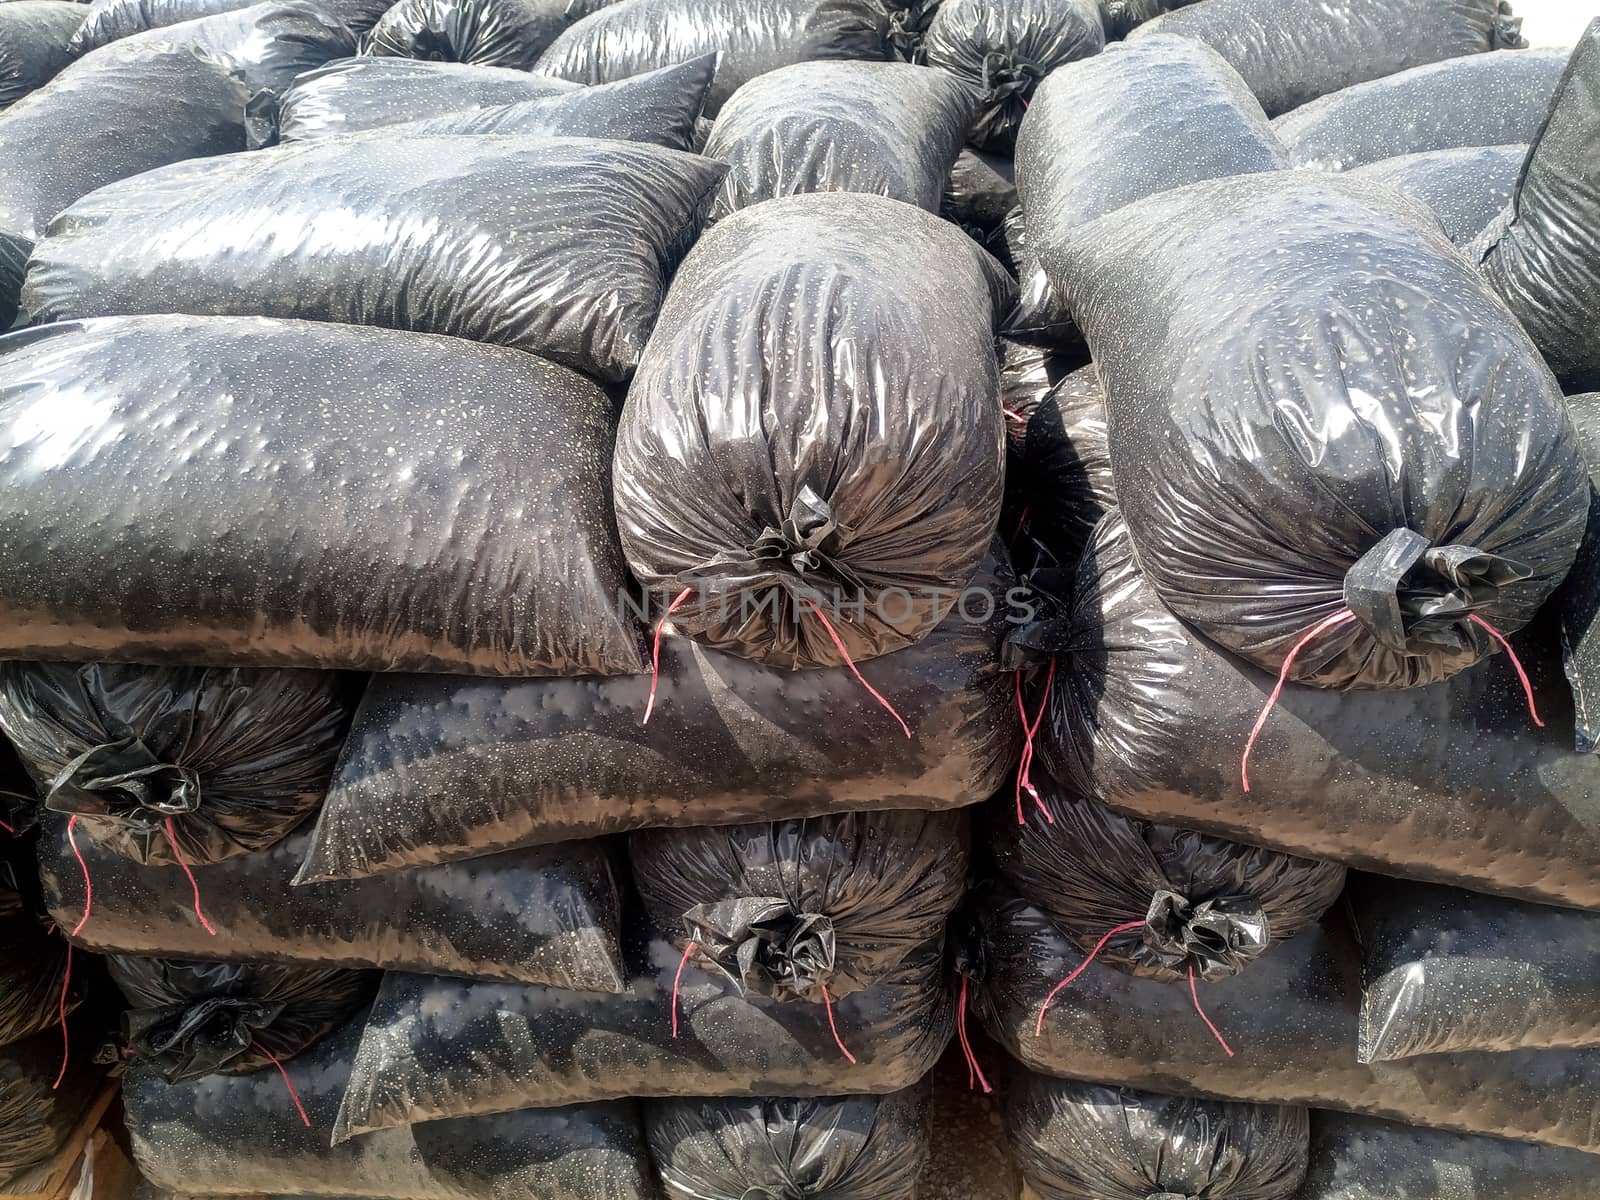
1291 1021
1209 907
530 916
367 499
169 764
34 38
189 1019
1064 473
1005 47
438 768
889 129
436 1047
815 428
33 965
802 910
1452 783
242 1135
1292 51
750 38
832 1147
1577 606
1543 255
1336 416
153 99
486 33
1121 17
1447 970
1084 1141
571 281
1138 120
1495 99
105 21
659 107
365 93
1358 1158
36 1118
979 194
1466 188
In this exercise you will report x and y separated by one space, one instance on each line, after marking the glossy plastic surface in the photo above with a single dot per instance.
102 22
1494 99
34 40
532 916
830 1147
249 492
487 33
815 425
233 760
35 1118
1084 1141
1452 783
1063 470
1576 608
1334 378
795 910
1466 188
392 232
1292 51
33 964
750 38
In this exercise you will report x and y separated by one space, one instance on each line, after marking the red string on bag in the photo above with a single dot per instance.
1038 1029
655 651
8 828
88 884
1029 730
293 1095
1527 687
837 1041
676 980
1215 1032
172 840
66 1038
974 1069
1322 626
849 662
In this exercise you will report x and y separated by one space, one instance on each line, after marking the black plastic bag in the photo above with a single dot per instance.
42 1096
487 33
1186 905
1466 188
889 129
980 193
804 910
1138 120
1577 605
1292 51
1086 1141
1496 99
34 38
1447 970
1064 472
1351 464
659 107
365 93
823 491
152 99
437 1047
1291 1021
367 499
170 764
1005 47
832 1147
1358 1158
1543 254
105 21
569 280
750 38
33 968
1452 783
439 768
1121 17
530 916
189 1019
244 1134
1028 374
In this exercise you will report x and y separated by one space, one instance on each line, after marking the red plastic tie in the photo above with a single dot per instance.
849 662
1215 1032
8 828
172 840
1322 626
1527 687
293 1095
88 884
1038 1029
974 1070
66 1038
1022 523
655 651
1029 730
837 1041
676 980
